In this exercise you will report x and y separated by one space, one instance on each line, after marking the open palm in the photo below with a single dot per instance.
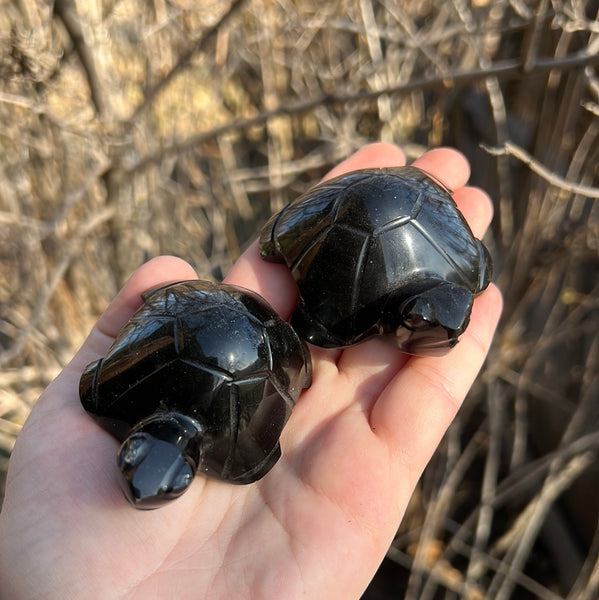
316 526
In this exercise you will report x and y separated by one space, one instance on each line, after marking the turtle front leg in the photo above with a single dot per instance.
312 330
158 459
268 245
433 319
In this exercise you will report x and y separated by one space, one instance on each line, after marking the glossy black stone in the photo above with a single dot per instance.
201 379
379 252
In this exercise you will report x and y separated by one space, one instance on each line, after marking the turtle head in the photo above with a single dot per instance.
159 458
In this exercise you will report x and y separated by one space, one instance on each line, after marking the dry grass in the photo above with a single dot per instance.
132 128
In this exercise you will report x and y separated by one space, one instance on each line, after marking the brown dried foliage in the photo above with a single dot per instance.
130 129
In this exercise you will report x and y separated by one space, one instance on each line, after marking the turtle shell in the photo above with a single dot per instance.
220 360
379 252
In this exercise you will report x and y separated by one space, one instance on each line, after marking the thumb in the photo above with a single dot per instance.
156 272
63 391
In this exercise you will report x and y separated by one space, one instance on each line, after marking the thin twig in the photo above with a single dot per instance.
185 59
529 522
95 221
511 149
87 59
504 70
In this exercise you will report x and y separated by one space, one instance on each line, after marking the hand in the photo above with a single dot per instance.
317 526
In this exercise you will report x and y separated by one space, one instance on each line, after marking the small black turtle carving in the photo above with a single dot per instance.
202 378
379 252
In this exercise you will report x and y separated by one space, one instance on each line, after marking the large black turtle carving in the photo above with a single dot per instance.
202 378
379 252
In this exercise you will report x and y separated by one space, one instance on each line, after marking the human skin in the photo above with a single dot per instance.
316 526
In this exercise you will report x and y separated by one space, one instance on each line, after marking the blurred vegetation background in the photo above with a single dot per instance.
131 128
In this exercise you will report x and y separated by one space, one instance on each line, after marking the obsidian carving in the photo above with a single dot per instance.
379 252
202 379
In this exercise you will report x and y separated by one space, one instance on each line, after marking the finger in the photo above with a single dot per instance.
369 157
369 367
477 208
158 271
446 164
452 168
272 281
63 390
419 404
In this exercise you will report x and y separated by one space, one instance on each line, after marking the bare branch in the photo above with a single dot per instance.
86 58
504 70
70 252
511 149
185 59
